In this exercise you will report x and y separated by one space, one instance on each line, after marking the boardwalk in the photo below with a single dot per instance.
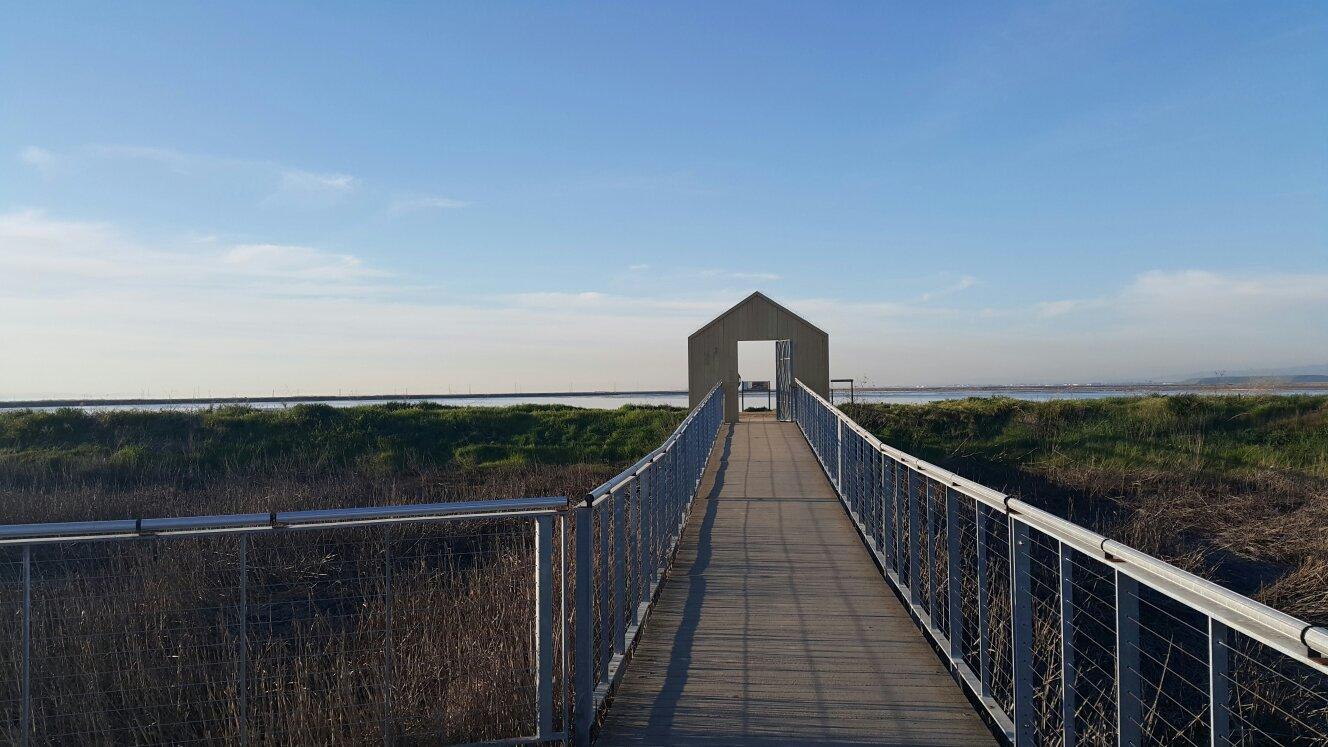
775 627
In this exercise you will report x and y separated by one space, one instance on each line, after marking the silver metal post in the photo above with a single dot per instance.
984 600
544 626
1069 670
387 637
1021 618
648 507
914 588
954 575
1129 707
584 660
930 529
605 630
25 725
1219 684
642 582
242 652
839 454
619 571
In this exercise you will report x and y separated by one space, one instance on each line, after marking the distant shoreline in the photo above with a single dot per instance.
303 399
1264 386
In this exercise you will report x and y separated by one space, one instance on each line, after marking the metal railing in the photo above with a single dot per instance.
385 624
1061 635
628 528
439 622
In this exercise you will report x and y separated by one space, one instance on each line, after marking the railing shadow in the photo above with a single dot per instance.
675 678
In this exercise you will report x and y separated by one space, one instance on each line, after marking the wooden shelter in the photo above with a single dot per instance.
712 351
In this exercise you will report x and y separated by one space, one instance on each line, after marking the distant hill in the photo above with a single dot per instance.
1255 380
1312 374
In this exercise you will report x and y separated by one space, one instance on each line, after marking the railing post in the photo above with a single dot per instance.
25 718
839 455
930 528
1021 618
544 626
1129 707
888 493
387 638
242 646
879 499
954 575
1219 684
605 632
984 599
585 627
648 529
619 571
914 590
1069 670
642 584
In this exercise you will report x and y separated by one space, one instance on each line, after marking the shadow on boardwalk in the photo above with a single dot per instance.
775 627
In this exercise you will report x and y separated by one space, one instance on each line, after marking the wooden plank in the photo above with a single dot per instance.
774 625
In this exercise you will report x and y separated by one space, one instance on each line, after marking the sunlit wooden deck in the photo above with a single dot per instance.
775 626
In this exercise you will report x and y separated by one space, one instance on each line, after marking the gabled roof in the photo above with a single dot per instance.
755 295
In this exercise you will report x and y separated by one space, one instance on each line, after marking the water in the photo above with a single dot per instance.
611 401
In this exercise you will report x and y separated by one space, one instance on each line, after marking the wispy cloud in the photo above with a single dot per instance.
421 203
40 159
274 184
962 284
739 275
245 316
308 189
45 253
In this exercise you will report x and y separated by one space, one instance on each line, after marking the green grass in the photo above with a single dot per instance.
1231 487
144 446
1227 437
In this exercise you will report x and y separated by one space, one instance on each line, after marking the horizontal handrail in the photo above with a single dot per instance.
1290 635
132 528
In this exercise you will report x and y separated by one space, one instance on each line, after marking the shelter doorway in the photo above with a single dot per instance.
756 375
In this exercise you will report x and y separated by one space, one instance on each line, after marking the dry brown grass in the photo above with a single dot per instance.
140 641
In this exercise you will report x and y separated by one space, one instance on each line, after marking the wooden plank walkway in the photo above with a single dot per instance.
775 627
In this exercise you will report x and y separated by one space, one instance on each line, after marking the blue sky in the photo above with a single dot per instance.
489 196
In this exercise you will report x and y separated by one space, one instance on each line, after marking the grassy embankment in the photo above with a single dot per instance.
1231 487
70 464
161 620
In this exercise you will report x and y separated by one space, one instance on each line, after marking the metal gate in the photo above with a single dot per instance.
784 379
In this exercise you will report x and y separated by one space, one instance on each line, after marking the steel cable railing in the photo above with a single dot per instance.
1065 636
429 622
438 623
628 528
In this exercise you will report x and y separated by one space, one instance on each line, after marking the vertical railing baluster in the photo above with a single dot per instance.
954 575
584 661
648 529
914 588
1219 684
1069 669
544 626
242 646
620 570
605 632
1129 706
1021 618
25 717
878 497
387 637
930 536
984 598
839 455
